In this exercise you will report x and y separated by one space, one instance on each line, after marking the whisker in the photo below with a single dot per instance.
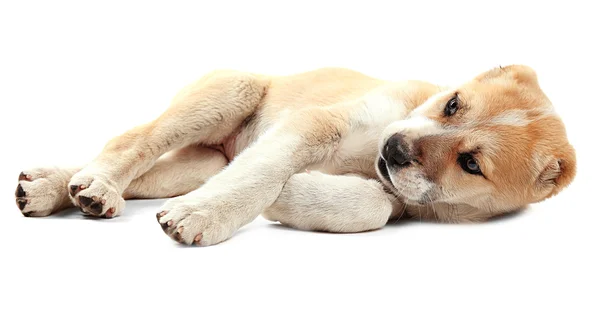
401 213
430 203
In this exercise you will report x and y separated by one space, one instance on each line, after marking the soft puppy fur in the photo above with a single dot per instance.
331 150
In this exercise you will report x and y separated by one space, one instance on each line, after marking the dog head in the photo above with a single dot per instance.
494 144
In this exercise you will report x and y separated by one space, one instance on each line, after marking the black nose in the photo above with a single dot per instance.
396 151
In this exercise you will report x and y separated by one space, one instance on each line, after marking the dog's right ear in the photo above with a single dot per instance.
559 172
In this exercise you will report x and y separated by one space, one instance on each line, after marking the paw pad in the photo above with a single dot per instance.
96 196
20 192
93 205
21 203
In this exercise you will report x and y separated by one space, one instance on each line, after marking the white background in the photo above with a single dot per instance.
73 75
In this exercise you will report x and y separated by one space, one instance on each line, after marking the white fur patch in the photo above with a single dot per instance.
344 203
411 184
430 103
413 128
419 126
379 109
513 117
519 117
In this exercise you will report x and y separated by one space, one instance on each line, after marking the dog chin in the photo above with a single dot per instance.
385 176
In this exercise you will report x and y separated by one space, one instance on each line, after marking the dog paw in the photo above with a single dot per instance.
195 222
42 191
96 195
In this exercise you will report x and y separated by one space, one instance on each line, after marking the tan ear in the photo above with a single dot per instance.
559 173
519 73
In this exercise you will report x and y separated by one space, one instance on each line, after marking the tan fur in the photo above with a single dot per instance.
332 120
509 153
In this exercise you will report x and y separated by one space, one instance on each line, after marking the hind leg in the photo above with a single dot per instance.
205 112
43 191
177 173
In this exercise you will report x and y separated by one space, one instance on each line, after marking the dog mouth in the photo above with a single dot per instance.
384 173
383 170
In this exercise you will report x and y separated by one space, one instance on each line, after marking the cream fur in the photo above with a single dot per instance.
234 145
306 203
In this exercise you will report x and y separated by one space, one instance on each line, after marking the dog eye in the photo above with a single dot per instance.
451 106
469 164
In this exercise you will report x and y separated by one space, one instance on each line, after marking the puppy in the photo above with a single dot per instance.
331 150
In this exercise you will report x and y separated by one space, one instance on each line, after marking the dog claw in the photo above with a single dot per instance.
24 177
166 225
177 235
110 212
74 189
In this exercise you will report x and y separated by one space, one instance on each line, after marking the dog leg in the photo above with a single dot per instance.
332 203
206 112
254 179
43 191
177 173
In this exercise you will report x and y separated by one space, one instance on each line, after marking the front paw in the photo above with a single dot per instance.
190 221
96 195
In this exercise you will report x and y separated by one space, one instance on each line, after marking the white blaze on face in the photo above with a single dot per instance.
412 128
411 182
417 125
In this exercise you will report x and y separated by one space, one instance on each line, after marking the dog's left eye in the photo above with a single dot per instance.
469 164
451 106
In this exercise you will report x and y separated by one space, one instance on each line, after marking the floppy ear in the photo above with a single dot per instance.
559 173
519 73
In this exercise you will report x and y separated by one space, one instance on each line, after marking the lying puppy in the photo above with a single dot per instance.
330 150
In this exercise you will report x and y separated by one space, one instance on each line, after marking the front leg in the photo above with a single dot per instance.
333 203
253 181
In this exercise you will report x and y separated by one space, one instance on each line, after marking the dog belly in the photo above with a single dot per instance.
355 154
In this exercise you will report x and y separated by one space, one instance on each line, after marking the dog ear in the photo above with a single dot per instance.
519 73
559 172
